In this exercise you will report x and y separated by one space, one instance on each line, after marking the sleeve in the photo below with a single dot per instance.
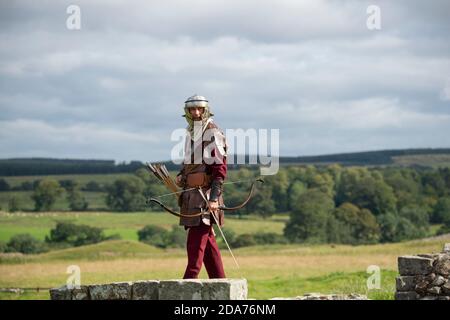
218 175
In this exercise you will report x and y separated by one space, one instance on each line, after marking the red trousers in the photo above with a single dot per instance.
202 247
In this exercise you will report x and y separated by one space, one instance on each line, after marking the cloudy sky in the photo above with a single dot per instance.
115 88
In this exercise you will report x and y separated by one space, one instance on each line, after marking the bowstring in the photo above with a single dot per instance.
195 188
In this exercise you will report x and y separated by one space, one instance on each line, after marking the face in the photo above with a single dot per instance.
196 113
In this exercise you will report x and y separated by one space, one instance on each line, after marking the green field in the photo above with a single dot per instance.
96 200
427 160
125 224
271 271
82 179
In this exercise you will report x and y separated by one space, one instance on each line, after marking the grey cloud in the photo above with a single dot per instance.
310 68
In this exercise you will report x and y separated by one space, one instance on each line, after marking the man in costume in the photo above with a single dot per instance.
202 175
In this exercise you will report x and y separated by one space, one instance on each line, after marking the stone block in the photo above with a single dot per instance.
180 290
81 293
434 290
446 248
145 290
224 289
189 289
442 265
446 288
407 295
429 298
113 291
405 283
61 293
414 265
439 281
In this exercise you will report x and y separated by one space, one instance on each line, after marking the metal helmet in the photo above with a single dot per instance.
199 102
196 101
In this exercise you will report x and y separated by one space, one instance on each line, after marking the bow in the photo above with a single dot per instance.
203 211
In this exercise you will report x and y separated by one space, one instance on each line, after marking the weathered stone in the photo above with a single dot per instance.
430 298
430 277
413 265
180 290
113 291
405 283
145 290
439 281
421 285
434 290
442 265
224 289
62 293
407 295
191 289
81 293
427 255
446 248
446 288
444 298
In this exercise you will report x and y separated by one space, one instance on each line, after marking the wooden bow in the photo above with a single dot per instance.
203 211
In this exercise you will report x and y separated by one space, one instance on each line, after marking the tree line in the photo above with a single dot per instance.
351 205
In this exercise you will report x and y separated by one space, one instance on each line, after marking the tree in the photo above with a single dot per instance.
405 185
366 191
77 201
176 238
418 217
441 211
262 203
4 185
68 184
280 185
13 204
434 184
153 235
162 238
25 243
295 191
354 225
309 217
46 194
75 235
323 182
93 186
396 228
26 186
126 194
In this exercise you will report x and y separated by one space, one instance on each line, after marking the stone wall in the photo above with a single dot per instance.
205 289
424 276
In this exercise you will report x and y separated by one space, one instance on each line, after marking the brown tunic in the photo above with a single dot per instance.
191 201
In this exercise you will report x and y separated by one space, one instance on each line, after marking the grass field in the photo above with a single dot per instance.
271 271
96 200
427 160
82 179
125 224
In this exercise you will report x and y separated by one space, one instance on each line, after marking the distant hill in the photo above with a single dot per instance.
407 157
412 157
